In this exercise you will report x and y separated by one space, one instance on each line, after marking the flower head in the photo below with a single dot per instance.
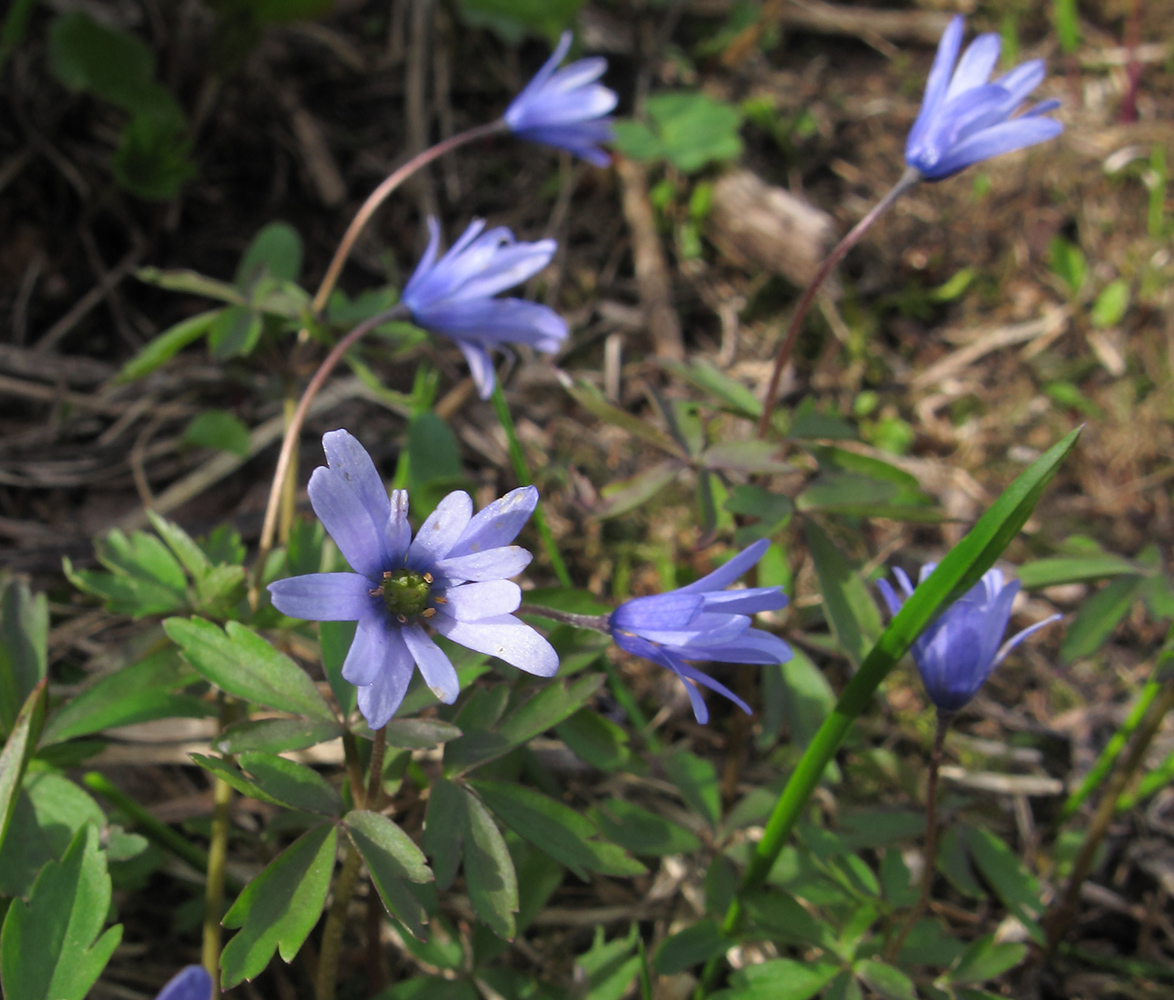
705 622
453 296
451 578
965 119
191 983
566 108
960 649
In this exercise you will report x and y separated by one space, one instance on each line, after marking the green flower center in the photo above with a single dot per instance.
405 593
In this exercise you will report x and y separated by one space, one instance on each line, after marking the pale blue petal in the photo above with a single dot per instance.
939 77
472 601
435 666
480 367
494 564
440 531
324 597
506 638
191 983
674 610
749 601
1018 637
891 599
351 502
487 321
372 648
975 66
727 573
699 677
380 700
1006 138
399 531
498 523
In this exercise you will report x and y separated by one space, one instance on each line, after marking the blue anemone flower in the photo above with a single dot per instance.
960 648
566 108
703 622
191 983
964 118
453 296
453 578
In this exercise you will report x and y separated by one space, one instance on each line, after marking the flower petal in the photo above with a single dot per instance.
471 602
749 601
494 564
380 700
727 573
975 66
440 531
370 648
344 498
674 610
498 523
1005 138
435 666
480 367
324 597
190 983
505 637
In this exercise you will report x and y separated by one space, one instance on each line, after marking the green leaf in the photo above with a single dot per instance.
489 870
810 423
432 450
50 948
696 780
929 943
1016 887
276 735
694 945
624 495
1111 305
218 429
137 693
444 830
292 783
391 858
191 556
1072 569
608 968
234 332
193 283
164 347
1099 616
243 664
420 734
49 810
429 988
335 639
744 456
18 748
596 739
985 959
144 578
802 698
836 491
727 390
887 980
786 920
779 979
773 510
514 19
152 158
276 252
24 638
640 831
1068 263
230 775
689 129
590 398
279 908
557 829
116 66
850 609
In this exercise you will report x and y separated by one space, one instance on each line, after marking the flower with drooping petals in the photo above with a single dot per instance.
452 578
703 622
960 648
566 108
453 296
191 983
964 118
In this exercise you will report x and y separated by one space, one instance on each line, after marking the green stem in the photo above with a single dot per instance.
1057 921
328 957
893 948
1108 756
375 777
522 471
354 770
214 889
1152 783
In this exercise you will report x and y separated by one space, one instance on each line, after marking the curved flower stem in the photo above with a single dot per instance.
381 194
292 432
522 471
908 180
217 860
597 623
375 777
931 838
1061 915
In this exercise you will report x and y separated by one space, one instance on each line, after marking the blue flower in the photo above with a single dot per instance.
960 648
566 108
705 622
965 119
453 296
191 983
452 577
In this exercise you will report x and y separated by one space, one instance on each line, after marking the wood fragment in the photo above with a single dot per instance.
763 226
652 271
